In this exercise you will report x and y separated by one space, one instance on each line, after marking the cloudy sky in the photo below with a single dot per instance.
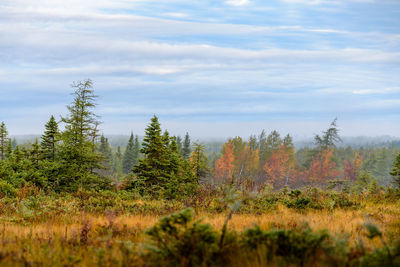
213 68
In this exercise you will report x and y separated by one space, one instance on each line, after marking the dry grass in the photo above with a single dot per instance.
39 243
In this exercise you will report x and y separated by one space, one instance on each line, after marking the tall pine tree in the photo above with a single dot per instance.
77 151
49 139
128 160
186 150
153 171
3 140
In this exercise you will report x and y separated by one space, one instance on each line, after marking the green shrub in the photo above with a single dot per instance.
7 189
295 247
178 241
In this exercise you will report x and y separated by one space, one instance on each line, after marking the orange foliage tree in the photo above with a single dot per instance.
224 165
279 166
238 161
322 168
352 168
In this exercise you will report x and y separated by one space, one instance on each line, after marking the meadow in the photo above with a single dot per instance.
295 228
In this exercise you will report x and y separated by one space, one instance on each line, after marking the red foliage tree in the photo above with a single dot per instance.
322 168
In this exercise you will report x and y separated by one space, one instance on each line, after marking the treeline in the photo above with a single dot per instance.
72 154
272 159
79 158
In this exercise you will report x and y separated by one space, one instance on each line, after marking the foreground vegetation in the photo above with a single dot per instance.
72 199
219 227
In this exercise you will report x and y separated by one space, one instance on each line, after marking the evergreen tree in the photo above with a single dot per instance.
329 137
117 162
3 140
105 150
153 171
179 144
186 150
128 160
396 172
253 143
13 143
199 162
77 151
49 139
136 150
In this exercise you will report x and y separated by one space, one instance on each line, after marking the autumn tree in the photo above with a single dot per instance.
279 166
351 169
224 166
322 168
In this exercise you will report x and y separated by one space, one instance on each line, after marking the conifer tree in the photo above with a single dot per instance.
105 150
178 140
49 139
153 171
396 172
3 140
329 138
199 162
128 160
186 150
136 151
117 162
78 149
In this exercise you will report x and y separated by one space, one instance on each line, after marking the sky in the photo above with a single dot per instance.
212 68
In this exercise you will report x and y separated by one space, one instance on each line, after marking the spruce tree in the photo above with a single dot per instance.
396 172
105 150
49 139
186 150
128 160
329 138
153 171
179 144
3 140
199 162
117 162
78 149
136 151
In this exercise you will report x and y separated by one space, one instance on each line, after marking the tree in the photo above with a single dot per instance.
279 166
117 162
130 155
224 166
199 162
322 168
106 152
329 137
78 151
153 171
352 168
49 139
396 172
186 150
3 140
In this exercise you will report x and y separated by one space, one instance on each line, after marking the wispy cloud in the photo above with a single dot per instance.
237 2
201 61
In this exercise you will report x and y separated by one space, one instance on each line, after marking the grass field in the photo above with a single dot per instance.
35 231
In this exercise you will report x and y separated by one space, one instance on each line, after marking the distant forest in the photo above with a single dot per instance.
72 154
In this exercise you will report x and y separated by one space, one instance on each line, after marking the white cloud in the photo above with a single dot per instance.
237 2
